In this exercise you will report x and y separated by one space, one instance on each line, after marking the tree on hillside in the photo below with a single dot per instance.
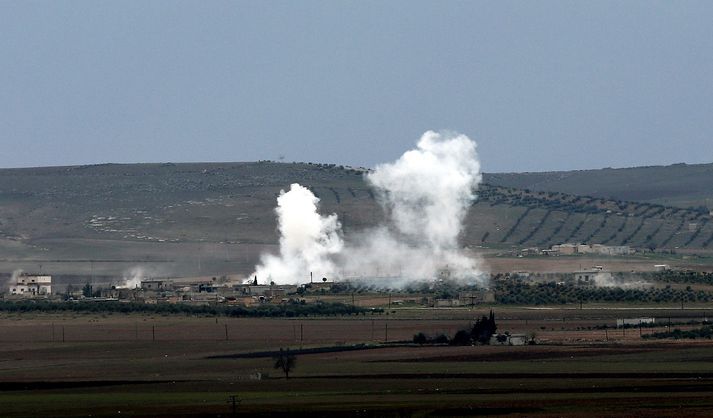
285 361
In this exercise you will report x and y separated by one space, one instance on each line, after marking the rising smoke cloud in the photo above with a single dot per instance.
307 239
425 194
12 280
132 278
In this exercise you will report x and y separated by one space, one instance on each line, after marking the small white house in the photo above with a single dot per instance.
509 339
662 267
447 303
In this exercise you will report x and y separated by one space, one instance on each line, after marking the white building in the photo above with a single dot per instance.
634 321
604 249
155 285
31 285
662 267
594 277
509 339
565 249
568 249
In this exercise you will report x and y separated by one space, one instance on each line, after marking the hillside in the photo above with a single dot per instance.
682 185
207 218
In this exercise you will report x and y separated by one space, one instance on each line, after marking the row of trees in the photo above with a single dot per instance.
553 293
584 203
480 333
552 201
288 310
677 334
677 276
536 229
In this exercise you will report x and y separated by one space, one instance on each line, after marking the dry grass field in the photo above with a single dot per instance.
111 365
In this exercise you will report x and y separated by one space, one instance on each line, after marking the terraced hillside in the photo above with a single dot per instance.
532 218
683 185
223 213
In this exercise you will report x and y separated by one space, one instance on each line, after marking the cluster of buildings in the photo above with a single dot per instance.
599 249
203 292
588 277
40 286
200 293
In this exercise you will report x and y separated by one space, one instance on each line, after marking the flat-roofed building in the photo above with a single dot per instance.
31 285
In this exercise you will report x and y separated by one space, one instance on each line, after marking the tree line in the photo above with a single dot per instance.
288 310
513 293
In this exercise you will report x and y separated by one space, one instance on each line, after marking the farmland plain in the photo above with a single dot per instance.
142 365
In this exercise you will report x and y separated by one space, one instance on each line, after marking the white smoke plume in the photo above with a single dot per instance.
132 278
429 189
605 279
12 280
426 194
307 240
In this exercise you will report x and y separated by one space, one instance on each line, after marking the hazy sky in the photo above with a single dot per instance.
539 85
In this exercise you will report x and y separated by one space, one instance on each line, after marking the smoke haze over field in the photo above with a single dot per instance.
426 194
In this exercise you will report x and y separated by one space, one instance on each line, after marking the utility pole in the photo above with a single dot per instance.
301 335
226 332
153 332
63 333
386 332
234 400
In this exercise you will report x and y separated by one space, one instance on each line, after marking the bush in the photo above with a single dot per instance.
462 337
